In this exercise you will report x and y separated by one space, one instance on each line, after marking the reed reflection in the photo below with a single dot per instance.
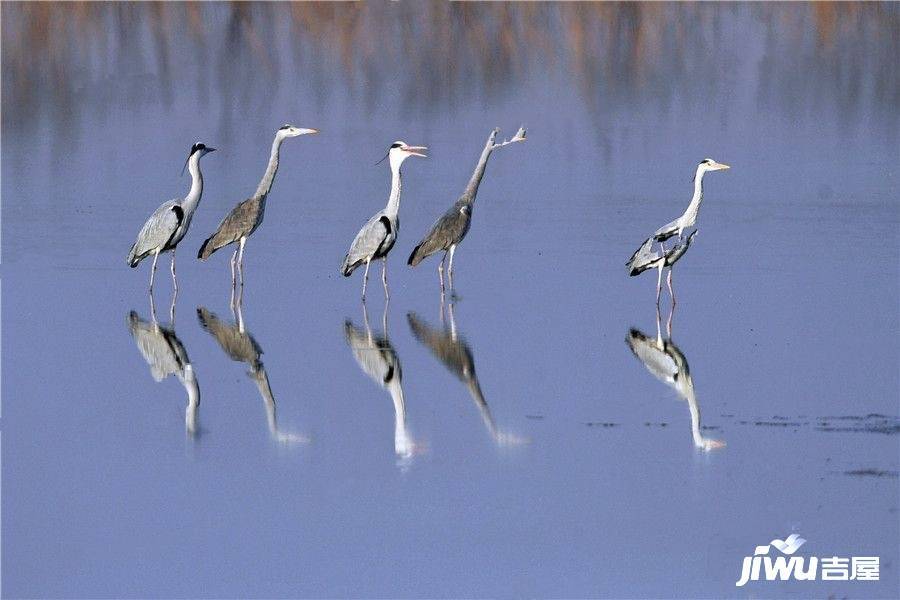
665 361
166 356
240 346
455 354
377 358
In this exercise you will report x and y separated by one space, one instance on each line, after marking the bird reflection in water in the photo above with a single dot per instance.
666 362
377 358
239 345
165 354
455 354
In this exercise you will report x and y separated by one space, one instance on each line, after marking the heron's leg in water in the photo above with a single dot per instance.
174 280
450 266
669 282
659 284
172 310
153 269
441 272
366 278
387 294
241 260
233 266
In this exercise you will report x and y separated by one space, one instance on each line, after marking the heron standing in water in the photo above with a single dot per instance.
379 234
247 216
449 230
168 225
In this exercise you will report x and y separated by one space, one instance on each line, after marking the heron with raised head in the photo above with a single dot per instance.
450 229
689 218
665 361
646 258
168 225
247 216
379 234
165 355
240 346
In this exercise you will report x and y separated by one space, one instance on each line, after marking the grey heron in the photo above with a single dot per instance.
167 226
450 229
377 358
247 216
455 354
646 258
689 218
665 361
379 234
240 346
165 355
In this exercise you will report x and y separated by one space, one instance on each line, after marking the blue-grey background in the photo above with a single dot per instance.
787 313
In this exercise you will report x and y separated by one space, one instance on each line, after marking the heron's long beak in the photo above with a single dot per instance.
417 150
722 167
208 149
308 131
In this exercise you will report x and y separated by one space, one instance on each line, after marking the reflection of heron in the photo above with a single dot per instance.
169 223
646 258
455 354
244 218
377 358
165 354
668 364
240 346
448 231
378 235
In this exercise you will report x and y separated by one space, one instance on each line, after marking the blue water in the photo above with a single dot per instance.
584 481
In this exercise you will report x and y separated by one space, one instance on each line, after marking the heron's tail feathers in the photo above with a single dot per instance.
416 256
211 244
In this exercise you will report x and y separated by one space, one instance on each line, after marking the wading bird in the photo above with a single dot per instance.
454 353
646 258
667 363
240 346
165 355
378 235
377 358
449 230
243 220
169 223
689 218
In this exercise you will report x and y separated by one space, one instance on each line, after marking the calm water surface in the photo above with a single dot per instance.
515 446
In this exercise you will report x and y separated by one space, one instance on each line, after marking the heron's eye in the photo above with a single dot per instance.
396 145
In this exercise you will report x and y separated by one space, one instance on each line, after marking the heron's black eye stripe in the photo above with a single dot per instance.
396 145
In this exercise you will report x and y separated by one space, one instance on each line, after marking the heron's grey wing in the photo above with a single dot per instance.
240 222
678 250
157 231
666 231
643 258
449 229
368 240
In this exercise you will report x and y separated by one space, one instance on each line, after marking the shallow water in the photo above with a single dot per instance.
535 455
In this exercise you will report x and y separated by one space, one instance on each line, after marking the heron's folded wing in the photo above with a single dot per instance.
158 229
368 240
666 231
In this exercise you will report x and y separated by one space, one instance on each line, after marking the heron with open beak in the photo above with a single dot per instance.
379 234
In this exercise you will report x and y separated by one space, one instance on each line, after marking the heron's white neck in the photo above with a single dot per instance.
690 215
393 205
478 175
265 183
193 198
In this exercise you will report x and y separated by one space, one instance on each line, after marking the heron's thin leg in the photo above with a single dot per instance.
384 320
172 310
153 309
387 294
174 279
450 266
233 266
659 284
658 328
669 322
241 260
366 278
153 269
366 322
669 282
452 321
441 272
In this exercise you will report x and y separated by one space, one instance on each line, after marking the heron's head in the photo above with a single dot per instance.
198 150
288 131
400 151
708 164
